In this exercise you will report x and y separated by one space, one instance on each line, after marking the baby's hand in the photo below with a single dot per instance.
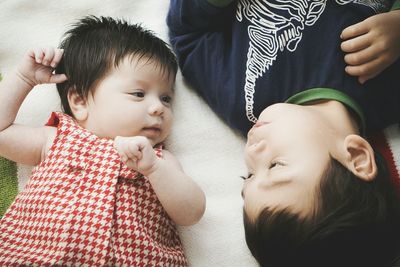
372 45
38 66
137 153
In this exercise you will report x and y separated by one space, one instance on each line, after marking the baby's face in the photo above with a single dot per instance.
287 152
133 99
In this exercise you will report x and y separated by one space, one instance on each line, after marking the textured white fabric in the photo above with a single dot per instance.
208 150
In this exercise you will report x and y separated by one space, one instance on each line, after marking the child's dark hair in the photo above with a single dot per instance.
356 223
94 45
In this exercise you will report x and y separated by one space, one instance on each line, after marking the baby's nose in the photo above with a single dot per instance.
156 108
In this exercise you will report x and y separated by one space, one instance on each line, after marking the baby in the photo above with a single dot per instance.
104 192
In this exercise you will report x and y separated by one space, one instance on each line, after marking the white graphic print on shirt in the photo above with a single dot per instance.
270 32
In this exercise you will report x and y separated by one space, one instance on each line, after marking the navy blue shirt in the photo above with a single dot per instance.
250 54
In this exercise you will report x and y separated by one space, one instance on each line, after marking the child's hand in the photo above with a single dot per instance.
372 45
137 153
38 66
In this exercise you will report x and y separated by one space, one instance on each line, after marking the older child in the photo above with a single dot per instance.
317 194
104 192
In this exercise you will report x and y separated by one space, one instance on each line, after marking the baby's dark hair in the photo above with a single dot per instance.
96 44
356 223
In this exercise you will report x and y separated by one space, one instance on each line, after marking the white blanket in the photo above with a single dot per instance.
208 150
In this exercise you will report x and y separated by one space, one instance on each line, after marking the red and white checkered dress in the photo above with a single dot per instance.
84 207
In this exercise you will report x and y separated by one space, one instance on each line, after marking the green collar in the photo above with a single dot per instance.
329 94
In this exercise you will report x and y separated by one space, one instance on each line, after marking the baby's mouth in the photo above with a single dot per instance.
152 131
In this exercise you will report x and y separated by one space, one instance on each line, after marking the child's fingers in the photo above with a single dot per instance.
370 69
355 30
362 56
356 44
363 79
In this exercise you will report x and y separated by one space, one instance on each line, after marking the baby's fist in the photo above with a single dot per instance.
137 153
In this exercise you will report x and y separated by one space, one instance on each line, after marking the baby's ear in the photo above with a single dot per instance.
360 157
78 106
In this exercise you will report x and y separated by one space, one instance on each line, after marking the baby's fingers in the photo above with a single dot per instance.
58 53
134 150
128 151
48 56
120 146
38 54
131 164
124 156
127 148
58 78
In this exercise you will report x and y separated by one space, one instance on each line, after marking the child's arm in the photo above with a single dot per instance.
19 143
189 16
197 22
198 37
180 196
372 45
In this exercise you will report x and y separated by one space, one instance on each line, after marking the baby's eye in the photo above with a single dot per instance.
138 94
247 177
166 99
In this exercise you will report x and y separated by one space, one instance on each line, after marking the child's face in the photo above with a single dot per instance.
133 99
287 152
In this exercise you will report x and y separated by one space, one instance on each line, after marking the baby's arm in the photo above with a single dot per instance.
372 45
21 143
180 196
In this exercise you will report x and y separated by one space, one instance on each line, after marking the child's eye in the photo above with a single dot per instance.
275 164
166 99
247 177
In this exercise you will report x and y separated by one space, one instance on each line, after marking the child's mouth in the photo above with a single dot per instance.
259 124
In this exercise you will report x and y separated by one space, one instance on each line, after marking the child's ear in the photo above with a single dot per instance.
78 106
360 159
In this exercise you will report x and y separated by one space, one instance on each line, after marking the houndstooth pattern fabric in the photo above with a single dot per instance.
84 207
